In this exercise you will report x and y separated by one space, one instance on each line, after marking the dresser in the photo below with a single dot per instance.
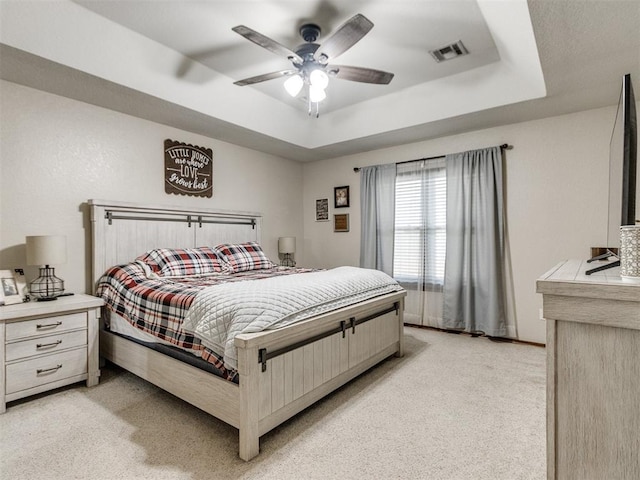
593 373
46 345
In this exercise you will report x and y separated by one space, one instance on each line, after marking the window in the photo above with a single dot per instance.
420 225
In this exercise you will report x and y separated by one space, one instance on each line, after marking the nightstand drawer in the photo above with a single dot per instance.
45 369
46 325
45 345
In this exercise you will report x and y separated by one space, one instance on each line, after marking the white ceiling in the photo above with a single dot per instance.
399 42
174 62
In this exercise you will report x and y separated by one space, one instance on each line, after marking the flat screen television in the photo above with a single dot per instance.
623 173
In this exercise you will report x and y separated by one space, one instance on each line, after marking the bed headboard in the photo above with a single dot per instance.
122 231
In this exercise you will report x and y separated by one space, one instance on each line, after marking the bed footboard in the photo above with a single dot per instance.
284 371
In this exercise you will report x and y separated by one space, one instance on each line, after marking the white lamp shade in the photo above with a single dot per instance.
287 245
319 79
46 250
316 94
293 85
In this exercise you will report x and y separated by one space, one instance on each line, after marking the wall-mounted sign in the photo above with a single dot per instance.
188 169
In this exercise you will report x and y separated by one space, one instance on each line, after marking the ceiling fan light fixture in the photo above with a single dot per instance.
316 94
311 60
293 85
319 78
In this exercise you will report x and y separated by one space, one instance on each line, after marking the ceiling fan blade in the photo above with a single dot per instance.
266 42
360 74
344 38
264 77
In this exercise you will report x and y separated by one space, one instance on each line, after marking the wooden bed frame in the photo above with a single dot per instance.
281 371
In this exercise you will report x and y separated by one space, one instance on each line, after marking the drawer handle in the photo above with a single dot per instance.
47 370
45 345
48 325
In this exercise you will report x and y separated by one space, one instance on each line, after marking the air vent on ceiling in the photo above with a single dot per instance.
450 51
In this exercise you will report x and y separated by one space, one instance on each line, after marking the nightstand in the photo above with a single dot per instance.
46 345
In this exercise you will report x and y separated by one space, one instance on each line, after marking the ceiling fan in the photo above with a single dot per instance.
311 67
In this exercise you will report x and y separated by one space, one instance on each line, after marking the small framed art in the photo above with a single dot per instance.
322 210
341 222
12 286
341 195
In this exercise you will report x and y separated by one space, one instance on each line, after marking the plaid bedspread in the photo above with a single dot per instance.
159 305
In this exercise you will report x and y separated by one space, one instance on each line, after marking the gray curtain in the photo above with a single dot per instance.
474 294
377 203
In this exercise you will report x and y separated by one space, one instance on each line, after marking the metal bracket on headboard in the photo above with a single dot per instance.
109 215
188 219
223 221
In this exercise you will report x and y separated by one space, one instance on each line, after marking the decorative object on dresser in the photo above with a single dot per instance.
630 252
46 250
341 197
593 373
281 371
48 345
287 246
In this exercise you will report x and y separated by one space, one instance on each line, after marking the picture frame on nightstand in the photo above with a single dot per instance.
12 286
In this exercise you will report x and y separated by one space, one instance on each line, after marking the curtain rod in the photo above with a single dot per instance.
504 146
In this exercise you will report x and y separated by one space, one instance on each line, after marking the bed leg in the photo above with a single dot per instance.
400 352
249 447
249 369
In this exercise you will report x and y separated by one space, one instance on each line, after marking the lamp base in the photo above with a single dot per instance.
287 260
47 286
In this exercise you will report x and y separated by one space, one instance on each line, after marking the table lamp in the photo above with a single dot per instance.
46 250
287 246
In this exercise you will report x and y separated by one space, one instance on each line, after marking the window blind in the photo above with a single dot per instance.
420 222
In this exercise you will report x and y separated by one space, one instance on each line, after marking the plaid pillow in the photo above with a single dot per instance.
243 256
178 262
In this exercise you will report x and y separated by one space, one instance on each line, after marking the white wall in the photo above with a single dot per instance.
556 195
56 153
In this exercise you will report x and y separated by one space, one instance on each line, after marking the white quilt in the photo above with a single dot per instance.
221 312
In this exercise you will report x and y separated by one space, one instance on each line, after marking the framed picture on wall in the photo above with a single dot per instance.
341 195
322 210
341 222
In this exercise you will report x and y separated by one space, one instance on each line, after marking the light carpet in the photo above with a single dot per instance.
454 407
